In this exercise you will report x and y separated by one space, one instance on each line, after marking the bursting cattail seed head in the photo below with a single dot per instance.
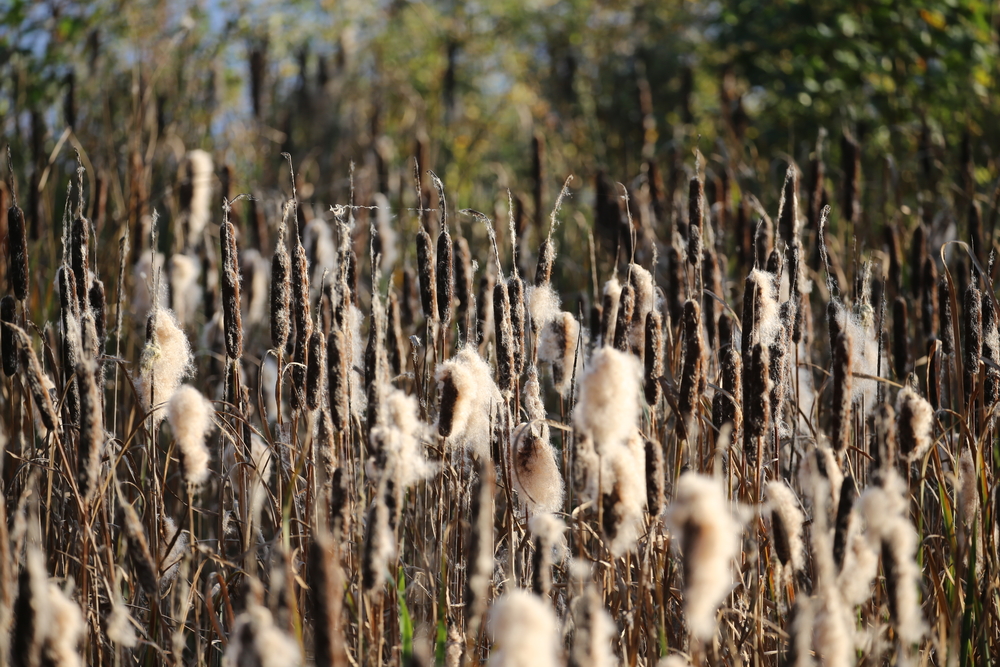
190 416
231 290
525 631
468 396
786 526
166 360
557 346
426 275
280 293
915 419
607 407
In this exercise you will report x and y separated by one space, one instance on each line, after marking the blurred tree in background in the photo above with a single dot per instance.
494 93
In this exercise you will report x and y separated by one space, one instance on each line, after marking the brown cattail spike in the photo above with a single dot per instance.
653 358
504 333
623 323
316 370
842 393
338 366
425 274
693 377
973 335
17 241
8 343
696 217
232 318
280 290
515 292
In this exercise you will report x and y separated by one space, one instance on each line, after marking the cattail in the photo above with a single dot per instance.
338 366
190 416
425 274
464 277
727 404
484 307
845 504
31 616
316 370
788 208
973 333
166 359
79 250
609 310
711 307
480 544
280 291
945 330
258 640
379 545
518 315
693 375
842 393
525 631
8 342
302 319
786 526
623 323
340 510
607 407
968 491
915 419
91 428
397 441
468 396
534 470
696 218
195 189
506 345
900 341
71 353
623 495
231 290
557 346
98 306
757 396
394 336
593 628
543 305
644 289
652 359
65 628
709 538
17 247
38 382
884 450
445 275
886 512
546 537
138 550
326 585
991 352
675 284
546 259
655 477
778 357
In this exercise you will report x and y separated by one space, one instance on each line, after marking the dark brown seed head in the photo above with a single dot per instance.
848 492
394 337
758 407
626 309
280 295
464 277
79 252
788 211
546 258
232 318
506 346
842 393
884 451
693 377
8 343
713 283
316 371
98 306
728 408
300 295
973 334
425 274
918 253
655 478
337 357
515 291
18 249
445 277
653 358
696 219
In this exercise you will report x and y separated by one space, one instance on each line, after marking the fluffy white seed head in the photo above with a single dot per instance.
525 632
402 435
608 405
968 494
915 420
623 497
709 537
785 509
65 629
469 397
543 305
201 171
166 360
534 470
768 314
149 269
185 292
190 416
256 640
557 346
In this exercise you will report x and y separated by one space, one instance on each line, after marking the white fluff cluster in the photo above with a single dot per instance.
557 346
402 435
709 536
608 405
645 298
525 631
465 418
915 420
968 494
359 398
886 512
543 305
190 416
593 628
166 360
201 171
768 314
623 493
148 269
64 630
785 509
185 292
256 640
864 353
